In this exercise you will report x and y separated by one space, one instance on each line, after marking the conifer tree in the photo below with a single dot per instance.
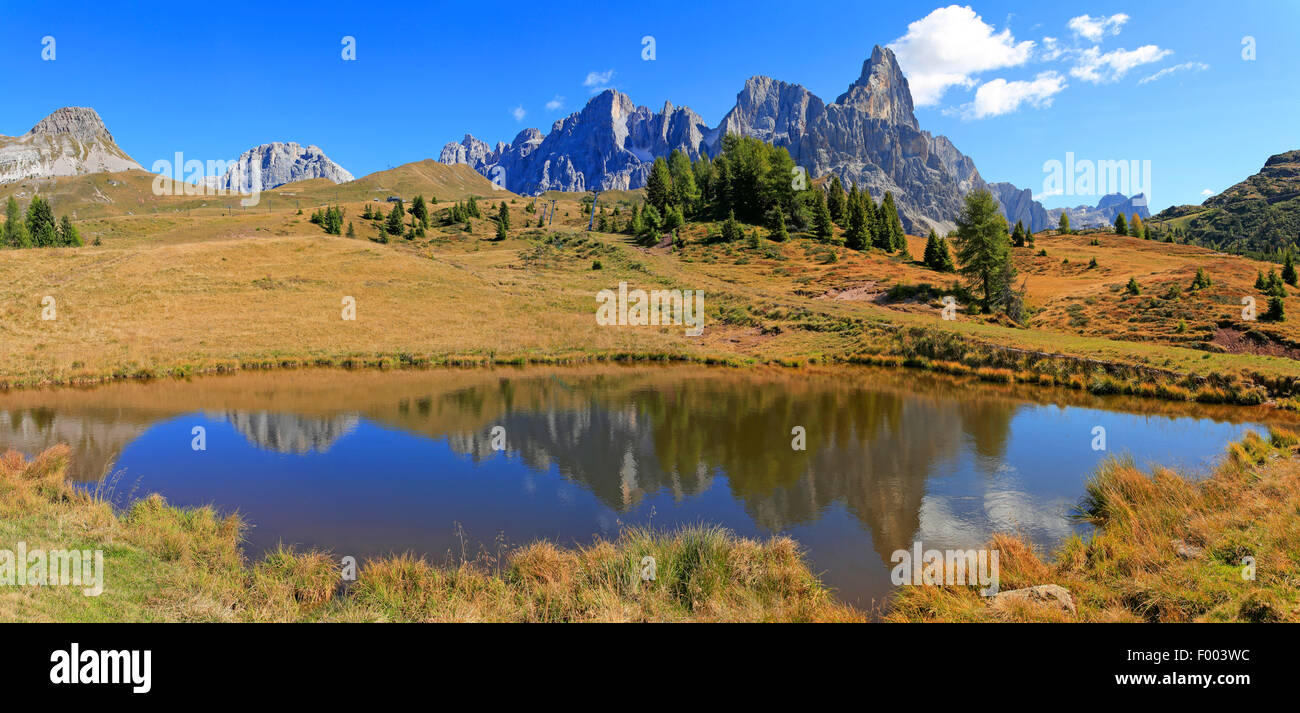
659 186
15 233
892 225
40 223
393 226
835 200
983 246
937 256
779 232
420 211
822 218
730 228
856 236
68 235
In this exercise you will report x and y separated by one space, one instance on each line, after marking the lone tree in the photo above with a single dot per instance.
1018 235
731 231
1064 225
982 245
1288 270
1121 225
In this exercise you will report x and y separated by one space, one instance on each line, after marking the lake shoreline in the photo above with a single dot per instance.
997 364
1165 549
163 563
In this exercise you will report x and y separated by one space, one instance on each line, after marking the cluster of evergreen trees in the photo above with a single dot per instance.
461 212
331 219
865 224
750 181
394 223
38 229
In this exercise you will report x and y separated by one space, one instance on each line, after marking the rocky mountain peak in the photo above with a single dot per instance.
278 163
79 122
881 91
70 142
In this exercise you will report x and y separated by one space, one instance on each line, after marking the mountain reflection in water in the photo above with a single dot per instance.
375 462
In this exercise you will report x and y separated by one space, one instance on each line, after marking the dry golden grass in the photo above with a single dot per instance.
196 290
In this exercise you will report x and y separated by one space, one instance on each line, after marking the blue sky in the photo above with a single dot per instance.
214 80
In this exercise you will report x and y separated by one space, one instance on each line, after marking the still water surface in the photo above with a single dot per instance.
368 463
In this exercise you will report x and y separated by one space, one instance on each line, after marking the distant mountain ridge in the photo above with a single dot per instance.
609 144
1261 214
869 135
69 142
1103 214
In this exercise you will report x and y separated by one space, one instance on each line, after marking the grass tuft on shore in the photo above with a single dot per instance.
1167 548
164 563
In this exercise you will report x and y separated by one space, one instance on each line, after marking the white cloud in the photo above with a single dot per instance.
598 81
1193 66
1207 192
1051 50
1094 28
1000 97
518 112
1093 66
556 103
943 49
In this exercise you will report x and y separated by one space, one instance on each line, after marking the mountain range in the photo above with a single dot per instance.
869 135
73 141
1102 214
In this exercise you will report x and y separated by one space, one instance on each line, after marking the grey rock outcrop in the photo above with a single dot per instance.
1018 205
70 142
275 164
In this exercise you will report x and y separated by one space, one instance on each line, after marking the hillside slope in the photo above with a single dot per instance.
1258 215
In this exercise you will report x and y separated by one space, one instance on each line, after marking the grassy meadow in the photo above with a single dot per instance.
184 284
